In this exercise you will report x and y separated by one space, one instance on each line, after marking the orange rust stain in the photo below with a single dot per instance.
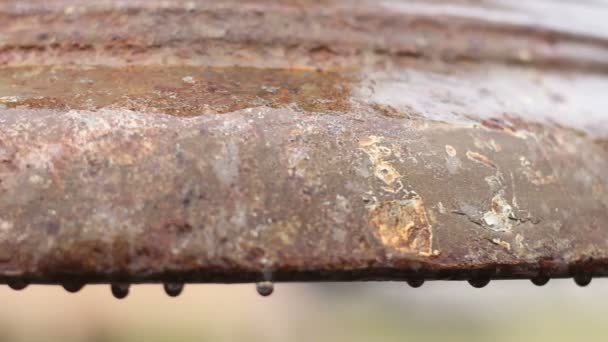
481 159
175 90
403 226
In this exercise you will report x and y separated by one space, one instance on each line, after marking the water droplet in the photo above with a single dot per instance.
479 282
540 280
73 286
120 291
265 288
173 289
582 279
415 283
17 284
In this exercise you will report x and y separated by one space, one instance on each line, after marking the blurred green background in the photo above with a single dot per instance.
391 311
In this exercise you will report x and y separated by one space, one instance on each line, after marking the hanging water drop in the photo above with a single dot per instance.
540 280
265 288
415 283
582 279
120 291
173 289
479 282
17 284
73 286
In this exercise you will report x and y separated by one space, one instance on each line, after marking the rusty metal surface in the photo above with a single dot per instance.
303 141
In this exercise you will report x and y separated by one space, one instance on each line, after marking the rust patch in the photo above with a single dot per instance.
403 226
498 124
481 159
510 125
175 90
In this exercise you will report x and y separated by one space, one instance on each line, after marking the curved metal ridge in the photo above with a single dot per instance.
301 33
238 152
354 195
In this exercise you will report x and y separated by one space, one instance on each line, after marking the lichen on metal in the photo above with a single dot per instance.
177 142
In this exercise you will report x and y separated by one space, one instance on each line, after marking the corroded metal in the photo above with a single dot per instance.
305 141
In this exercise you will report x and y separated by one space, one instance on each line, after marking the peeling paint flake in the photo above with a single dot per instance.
403 226
501 243
450 150
378 155
499 217
452 162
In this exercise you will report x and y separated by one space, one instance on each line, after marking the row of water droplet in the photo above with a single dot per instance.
265 288
121 290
